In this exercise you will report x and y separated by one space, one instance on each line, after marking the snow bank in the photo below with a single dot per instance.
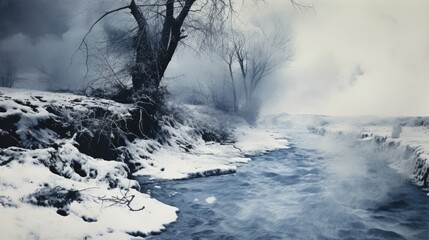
406 138
201 158
90 208
51 189
260 139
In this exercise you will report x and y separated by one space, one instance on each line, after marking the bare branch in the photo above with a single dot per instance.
95 23
297 4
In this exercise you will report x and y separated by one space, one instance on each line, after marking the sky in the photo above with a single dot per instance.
356 58
41 36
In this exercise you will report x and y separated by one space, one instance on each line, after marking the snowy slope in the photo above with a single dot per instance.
49 189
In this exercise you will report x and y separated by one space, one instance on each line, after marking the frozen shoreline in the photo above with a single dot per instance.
211 158
406 139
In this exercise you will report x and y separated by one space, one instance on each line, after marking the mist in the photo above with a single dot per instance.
45 17
42 45
360 58
213 119
41 39
357 58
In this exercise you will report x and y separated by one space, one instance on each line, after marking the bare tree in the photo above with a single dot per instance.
54 73
161 25
228 55
7 70
265 55
251 58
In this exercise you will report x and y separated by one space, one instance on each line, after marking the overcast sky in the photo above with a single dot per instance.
359 57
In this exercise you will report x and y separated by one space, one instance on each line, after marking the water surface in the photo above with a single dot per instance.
318 189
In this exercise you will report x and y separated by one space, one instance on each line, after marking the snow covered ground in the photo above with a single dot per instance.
51 190
210 158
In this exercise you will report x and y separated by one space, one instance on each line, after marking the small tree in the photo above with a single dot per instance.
54 73
251 58
7 70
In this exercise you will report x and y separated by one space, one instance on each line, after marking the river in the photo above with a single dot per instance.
319 188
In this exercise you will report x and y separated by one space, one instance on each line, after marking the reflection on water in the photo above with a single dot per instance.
314 190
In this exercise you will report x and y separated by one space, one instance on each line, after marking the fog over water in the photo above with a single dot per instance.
320 188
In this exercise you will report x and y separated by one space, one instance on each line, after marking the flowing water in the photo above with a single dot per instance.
319 188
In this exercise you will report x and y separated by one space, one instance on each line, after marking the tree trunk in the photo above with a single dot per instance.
152 58
234 91
144 73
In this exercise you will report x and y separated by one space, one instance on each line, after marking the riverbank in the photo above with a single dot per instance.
50 171
320 188
405 139
52 177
